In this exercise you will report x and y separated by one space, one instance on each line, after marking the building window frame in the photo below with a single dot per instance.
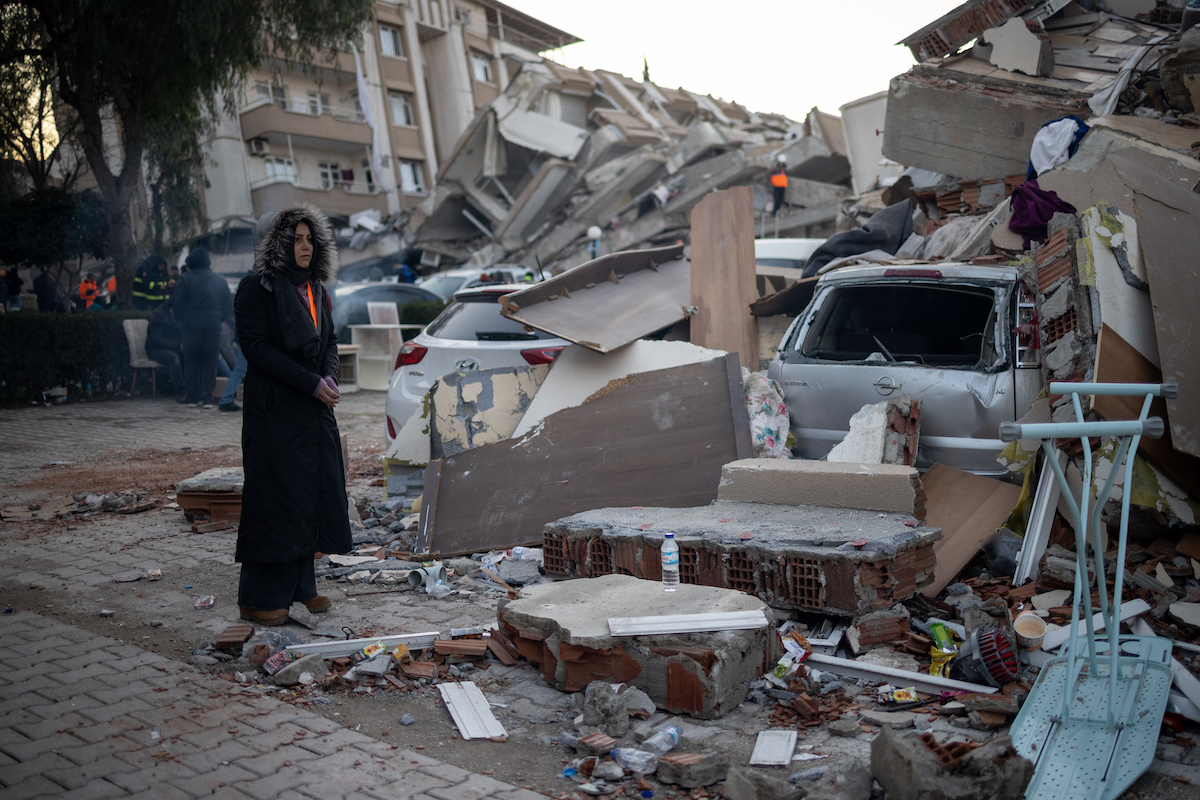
391 41
412 176
481 68
275 93
318 103
400 108
281 169
331 174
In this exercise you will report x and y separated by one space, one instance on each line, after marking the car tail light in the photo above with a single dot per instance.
410 353
912 273
391 427
544 355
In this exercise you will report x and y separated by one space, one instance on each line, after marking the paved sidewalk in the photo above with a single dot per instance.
86 716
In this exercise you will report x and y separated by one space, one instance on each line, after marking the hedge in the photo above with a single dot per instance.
43 350
421 312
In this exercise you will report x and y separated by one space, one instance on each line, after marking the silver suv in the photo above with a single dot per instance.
954 336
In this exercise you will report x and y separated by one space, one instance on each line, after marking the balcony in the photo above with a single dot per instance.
267 120
342 199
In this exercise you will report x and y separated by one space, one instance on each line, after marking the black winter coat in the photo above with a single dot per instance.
163 333
294 498
201 300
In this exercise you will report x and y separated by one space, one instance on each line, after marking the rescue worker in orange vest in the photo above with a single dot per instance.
89 290
779 181
112 290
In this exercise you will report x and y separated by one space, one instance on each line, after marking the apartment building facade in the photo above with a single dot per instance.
304 132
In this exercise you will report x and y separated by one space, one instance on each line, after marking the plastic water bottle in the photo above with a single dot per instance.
663 740
526 553
670 563
635 760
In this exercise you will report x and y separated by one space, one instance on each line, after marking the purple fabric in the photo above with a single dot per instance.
1032 209
329 381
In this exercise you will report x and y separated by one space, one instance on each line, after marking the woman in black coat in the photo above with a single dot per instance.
294 499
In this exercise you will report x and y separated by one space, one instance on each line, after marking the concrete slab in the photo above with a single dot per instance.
891 488
563 627
838 561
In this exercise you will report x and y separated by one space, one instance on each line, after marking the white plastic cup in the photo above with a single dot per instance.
1030 630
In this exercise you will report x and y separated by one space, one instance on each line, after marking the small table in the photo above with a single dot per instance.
348 369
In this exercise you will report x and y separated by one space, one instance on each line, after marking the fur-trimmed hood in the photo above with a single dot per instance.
273 239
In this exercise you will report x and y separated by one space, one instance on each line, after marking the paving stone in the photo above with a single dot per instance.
142 779
15 774
272 760
78 776
33 786
209 781
473 788
271 787
412 785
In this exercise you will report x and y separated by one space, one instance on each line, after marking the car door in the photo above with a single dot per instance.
943 342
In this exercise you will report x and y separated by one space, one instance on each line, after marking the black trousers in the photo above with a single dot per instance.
170 360
200 349
778 192
266 587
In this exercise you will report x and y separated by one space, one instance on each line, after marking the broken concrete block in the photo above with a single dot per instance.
882 626
986 720
606 709
692 770
846 727
796 557
908 769
563 627
873 437
849 779
290 675
300 613
595 744
1017 49
233 637
743 783
469 409
897 720
376 667
890 488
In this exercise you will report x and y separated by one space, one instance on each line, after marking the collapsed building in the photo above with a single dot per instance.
562 151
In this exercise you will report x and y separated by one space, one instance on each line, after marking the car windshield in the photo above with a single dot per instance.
946 326
478 319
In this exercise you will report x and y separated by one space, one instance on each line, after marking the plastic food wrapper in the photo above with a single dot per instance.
942 651
797 645
278 661
208 601
400 653
787 665
903 696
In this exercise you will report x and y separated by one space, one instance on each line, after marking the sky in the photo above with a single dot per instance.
769 55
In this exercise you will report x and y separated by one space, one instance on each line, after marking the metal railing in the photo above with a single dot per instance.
308 184
302 106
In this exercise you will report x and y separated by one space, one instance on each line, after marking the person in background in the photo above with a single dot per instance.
3 292
14 284
172 279
236 375
294 498
150 284
111 291
89 290
779 182
164 344
201 303
47 297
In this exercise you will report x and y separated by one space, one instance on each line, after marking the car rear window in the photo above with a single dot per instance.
478 319
949 326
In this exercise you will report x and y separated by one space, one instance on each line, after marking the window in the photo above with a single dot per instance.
330 174
402 111
318 103
389 42
462 16
949 326
370 179
275 92
481 67
477 319
411 180
281 169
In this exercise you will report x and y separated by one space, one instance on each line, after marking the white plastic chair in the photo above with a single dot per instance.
387 313
135 334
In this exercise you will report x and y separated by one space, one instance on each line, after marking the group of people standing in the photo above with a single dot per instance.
188 328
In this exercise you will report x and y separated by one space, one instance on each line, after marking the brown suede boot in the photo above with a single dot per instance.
268 617
319 604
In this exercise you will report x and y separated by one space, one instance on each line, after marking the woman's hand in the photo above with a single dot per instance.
328 396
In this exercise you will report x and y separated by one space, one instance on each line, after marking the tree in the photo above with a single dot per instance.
151 68
54 229
31 133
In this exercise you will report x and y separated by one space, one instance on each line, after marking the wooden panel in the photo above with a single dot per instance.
968 508
610 302
723 273
791 301
659 438
1118 362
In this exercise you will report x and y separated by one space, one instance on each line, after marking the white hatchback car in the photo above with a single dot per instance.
470 334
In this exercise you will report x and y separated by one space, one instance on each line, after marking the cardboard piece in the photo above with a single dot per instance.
1117 362
723 274
969 509
611 301
657 438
